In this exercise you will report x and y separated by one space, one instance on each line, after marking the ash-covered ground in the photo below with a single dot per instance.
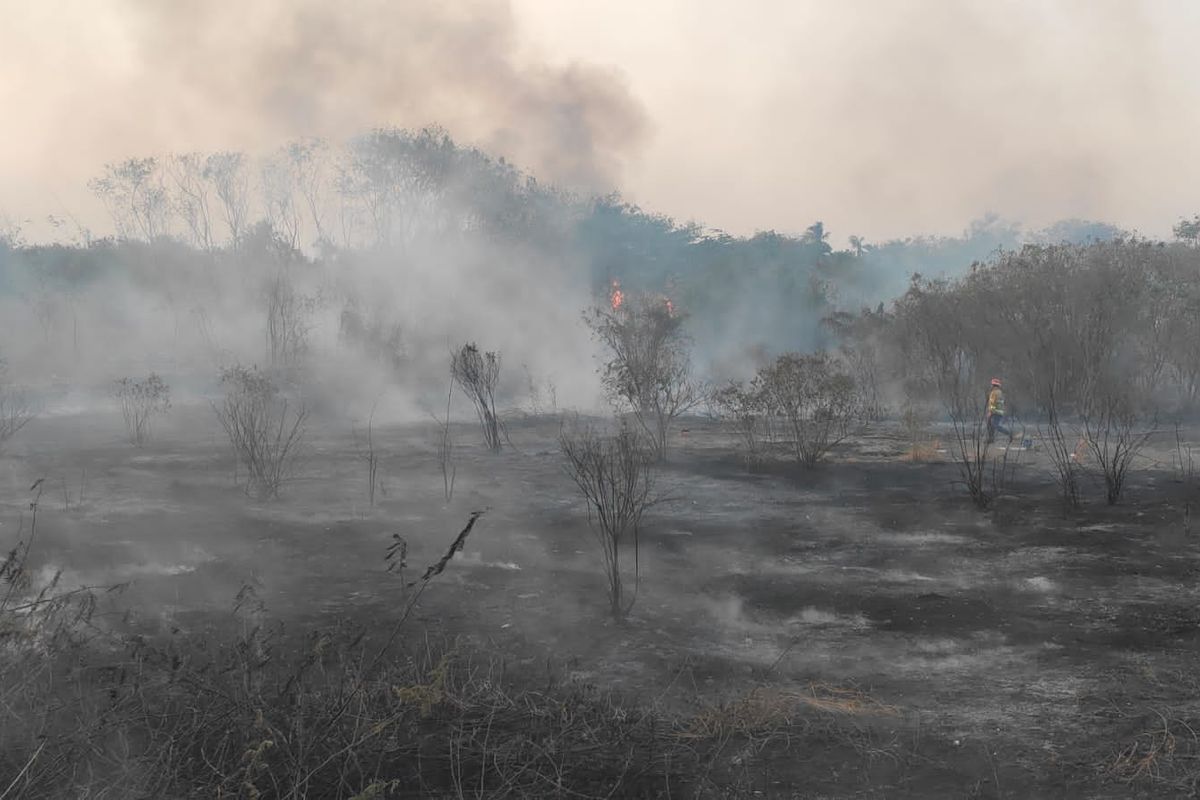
894 640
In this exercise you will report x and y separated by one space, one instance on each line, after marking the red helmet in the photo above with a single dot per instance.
995 381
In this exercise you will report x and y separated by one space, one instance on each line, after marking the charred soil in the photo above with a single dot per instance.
857 630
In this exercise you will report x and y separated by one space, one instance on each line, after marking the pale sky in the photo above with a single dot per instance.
881 118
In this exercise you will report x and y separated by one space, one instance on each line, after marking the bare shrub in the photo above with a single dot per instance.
615 475
1063 456
748 409
446 449
15 409
1185 458
1003 466
141 401
543 394
863 348
289 315
477 374
818 402
971 447
648 370
264 429
78 499
1115 433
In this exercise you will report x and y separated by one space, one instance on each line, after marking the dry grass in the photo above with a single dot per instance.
249 709
758 712
921 452
1165 753
846 700
765 710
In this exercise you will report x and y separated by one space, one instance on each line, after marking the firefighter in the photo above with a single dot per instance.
995 412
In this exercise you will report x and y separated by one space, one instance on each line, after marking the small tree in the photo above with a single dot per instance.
863 349
477 374
934 334
370 455
141 401
615 475
136 197
264 430
648 370
226 171
820 404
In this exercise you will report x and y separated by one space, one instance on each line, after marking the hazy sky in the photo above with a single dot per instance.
881 118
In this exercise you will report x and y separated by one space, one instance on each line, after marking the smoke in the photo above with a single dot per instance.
901 118
148 77
882 119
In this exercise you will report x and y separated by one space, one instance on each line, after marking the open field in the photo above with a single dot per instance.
859 630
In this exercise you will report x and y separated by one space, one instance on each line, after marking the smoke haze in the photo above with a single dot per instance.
881 119
145 77
888 119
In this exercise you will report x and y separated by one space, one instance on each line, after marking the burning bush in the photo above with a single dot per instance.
615 476
263 428
648 370
141 401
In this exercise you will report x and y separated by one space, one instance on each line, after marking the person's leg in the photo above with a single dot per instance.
991 428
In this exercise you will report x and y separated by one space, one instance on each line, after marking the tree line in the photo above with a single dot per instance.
395 193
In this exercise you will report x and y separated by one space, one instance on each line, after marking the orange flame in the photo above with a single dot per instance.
618 297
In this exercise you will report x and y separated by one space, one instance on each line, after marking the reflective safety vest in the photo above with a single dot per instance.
996 401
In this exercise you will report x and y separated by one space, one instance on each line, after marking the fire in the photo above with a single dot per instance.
670 308
618 297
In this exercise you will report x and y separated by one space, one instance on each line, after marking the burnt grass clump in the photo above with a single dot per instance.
251 709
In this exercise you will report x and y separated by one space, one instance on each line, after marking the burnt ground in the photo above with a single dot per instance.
1016 652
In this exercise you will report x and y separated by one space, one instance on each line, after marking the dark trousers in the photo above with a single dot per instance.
995 422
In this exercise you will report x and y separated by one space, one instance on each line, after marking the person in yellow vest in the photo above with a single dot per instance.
995 412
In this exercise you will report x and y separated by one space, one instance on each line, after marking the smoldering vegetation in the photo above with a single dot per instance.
434 480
